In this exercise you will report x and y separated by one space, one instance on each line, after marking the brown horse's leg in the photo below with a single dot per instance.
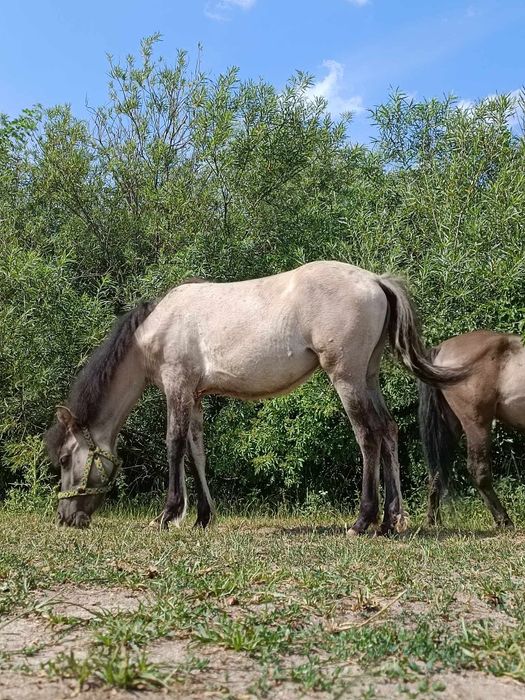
478 463
179 412
434 498
197 461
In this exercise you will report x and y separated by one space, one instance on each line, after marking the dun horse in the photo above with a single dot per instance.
251 340
494 389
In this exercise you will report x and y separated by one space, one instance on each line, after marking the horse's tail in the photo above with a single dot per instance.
440 430
404 336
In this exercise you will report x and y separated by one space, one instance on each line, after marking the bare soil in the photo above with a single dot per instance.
29 640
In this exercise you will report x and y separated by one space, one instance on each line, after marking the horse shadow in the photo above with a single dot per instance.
420 533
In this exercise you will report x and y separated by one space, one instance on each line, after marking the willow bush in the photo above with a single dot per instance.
182 174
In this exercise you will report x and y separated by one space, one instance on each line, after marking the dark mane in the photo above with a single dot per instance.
91 384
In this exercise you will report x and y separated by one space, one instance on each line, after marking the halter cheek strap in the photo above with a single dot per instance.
93 459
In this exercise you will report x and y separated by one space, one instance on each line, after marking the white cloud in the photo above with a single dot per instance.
220 10
517 115
517 118
332 89
245 4
465 105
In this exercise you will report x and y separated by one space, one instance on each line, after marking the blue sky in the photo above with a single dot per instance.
55 51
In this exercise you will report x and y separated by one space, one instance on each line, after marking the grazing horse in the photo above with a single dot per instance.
494 389
251 340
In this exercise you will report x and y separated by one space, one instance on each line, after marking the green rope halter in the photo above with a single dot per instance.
93 459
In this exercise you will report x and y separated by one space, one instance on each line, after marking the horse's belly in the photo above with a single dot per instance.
257 375
511 402
512 411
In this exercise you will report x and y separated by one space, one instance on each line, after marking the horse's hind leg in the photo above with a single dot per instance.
478 463
197 461
434 501
394 519
359 406
180 406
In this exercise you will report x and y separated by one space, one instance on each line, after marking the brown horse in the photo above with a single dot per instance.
494 389
251 340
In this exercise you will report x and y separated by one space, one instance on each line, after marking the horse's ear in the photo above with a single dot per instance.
65 417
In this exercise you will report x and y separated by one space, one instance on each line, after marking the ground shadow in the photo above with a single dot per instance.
423 533
445 533
313 530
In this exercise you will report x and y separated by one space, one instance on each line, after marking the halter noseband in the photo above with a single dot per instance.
93 458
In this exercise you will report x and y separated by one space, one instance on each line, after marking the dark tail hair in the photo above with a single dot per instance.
440 430
404 336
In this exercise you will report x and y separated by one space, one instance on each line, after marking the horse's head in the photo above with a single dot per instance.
86 471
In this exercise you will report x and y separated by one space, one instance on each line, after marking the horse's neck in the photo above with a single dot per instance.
122 394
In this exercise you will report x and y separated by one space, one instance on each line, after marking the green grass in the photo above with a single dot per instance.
290 599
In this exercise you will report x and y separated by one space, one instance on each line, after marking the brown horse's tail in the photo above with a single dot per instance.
440 430
405 340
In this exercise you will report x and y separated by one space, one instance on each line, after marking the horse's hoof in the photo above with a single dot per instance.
168 522
163 522
384 530
201 524
352 533
401 522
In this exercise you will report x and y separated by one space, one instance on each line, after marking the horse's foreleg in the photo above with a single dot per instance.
197 461
478 463
179 412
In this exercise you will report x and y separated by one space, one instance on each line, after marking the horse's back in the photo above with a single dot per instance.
470 348
495 386
310 293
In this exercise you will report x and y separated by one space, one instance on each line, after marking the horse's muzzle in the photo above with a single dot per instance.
72 518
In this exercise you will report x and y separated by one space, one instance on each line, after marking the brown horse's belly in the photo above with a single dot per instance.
511 400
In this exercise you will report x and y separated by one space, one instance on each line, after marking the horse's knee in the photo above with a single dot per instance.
369 438
481 474
389 427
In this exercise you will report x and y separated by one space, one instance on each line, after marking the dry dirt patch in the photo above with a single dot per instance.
207 671
477 686
29 640
18 686
85 602
471 686
235 675
464 608
220 670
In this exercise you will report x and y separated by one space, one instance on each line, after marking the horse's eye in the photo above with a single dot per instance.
64 460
